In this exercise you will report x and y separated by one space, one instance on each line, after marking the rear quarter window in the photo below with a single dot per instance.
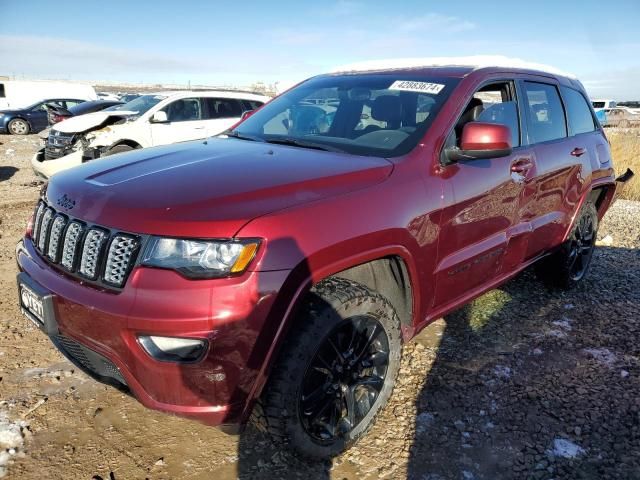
578 112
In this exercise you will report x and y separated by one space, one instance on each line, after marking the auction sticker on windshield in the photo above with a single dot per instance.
420 87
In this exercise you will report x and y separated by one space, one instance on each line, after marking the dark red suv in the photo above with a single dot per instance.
279 268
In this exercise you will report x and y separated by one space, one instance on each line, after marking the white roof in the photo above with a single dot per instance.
474 61
211 93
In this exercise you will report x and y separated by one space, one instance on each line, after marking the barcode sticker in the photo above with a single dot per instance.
420 87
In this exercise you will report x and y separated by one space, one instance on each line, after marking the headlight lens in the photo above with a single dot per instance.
200 258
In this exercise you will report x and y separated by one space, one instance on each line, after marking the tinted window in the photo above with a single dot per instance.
251 104
578 111
365 114
544 112
224 108
2 94
184 110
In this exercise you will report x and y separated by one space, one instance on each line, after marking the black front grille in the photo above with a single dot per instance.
51 153
91 252
89 361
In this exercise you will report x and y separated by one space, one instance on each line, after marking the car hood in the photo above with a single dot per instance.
206 189
85 122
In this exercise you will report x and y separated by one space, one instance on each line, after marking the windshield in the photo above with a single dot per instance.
367 114
598 104
141 104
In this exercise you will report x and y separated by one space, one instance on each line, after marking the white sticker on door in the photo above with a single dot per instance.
421 87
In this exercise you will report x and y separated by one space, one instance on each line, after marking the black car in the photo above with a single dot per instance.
33 118
57 113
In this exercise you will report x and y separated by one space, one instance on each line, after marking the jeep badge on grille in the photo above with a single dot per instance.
66 202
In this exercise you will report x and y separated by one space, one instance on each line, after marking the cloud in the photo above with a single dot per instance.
432 22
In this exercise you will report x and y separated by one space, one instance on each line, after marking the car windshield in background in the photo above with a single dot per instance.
381 115
141 104
598 104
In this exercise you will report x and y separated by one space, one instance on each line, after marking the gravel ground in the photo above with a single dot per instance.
522 383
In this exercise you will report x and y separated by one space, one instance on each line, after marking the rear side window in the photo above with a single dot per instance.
578 112
2 94
544 112
224 108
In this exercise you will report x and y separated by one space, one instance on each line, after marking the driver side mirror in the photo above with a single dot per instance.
159 117
481 140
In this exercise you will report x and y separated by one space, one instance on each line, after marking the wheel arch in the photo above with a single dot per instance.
601 194
129 143
389 271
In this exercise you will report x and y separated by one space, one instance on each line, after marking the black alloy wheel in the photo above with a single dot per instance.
581 249
344 378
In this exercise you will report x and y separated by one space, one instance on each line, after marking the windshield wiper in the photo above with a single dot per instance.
303 144
240 136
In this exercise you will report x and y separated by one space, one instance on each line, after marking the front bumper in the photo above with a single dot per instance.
236 316
47 168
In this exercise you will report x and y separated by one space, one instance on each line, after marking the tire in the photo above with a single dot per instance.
570 264
118 149
347 313
18 126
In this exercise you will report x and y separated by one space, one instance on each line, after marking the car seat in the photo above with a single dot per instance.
388 109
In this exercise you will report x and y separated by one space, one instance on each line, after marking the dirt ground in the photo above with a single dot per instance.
523 383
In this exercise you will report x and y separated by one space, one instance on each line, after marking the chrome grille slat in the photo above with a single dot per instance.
91 251
80 249
36 221
44 228
118 259
70 245
57 227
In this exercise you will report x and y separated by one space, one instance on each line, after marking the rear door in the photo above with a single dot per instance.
560 161
184 122
222 113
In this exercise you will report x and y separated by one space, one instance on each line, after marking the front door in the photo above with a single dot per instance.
481 198
184 122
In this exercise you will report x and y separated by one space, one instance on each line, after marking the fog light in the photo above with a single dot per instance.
172 349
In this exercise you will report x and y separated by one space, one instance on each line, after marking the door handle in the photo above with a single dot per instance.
521 166
198 128
578 151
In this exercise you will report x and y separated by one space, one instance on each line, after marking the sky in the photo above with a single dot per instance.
242 42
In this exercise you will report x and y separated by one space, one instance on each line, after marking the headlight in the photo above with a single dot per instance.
200 258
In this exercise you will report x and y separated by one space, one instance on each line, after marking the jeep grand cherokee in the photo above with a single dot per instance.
275 272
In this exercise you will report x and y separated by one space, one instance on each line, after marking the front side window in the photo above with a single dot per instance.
578 111
545 114
498 105
142 104
363 114
184 110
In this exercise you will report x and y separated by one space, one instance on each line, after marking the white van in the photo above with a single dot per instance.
600 104
149 120
21 93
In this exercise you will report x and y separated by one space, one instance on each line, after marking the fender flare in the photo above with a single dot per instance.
604 203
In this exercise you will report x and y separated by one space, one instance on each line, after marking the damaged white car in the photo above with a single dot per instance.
149 120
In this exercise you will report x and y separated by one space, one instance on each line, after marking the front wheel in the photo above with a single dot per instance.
18 126
569 265
336 371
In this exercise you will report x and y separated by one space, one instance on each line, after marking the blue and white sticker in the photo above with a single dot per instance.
420 87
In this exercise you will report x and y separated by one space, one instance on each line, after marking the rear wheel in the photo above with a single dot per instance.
118 149
570 264
335 373
18 126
